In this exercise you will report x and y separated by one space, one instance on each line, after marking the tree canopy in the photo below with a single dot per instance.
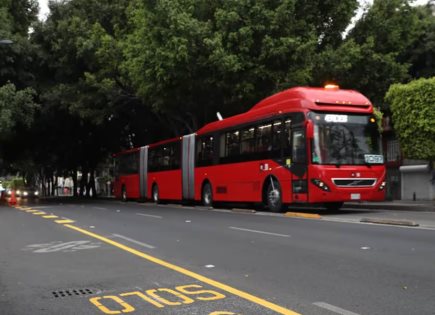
98 76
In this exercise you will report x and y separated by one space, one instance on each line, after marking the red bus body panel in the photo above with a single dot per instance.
168 183
131 184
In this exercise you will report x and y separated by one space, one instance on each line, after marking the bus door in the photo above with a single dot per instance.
188 166
143 172
299 166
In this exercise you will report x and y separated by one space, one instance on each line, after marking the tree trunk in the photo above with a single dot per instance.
83 182
91 185
74 179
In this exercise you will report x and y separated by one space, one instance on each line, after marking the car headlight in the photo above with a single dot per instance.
9 192
25 193
18 192
36 193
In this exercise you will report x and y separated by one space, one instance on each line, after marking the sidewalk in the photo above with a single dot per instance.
404 205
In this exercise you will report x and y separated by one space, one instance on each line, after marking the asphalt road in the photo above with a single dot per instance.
108 257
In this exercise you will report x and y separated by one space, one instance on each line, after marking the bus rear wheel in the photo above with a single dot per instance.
155 194
207 195
274 196
124 194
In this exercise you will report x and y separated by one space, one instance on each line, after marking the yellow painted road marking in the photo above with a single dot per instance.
39 213
303 215
66 221
31 210
50 216
216 284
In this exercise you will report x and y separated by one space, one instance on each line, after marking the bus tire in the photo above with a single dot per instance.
273 197
333 206
155 194
124 194
207 195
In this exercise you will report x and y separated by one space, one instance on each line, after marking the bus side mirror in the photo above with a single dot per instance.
309 129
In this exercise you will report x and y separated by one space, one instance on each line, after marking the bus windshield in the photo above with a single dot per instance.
345 139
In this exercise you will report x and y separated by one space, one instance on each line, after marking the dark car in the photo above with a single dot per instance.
26 192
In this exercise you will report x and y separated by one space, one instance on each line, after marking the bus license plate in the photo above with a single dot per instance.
355 196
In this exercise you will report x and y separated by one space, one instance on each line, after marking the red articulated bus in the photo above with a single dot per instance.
302 145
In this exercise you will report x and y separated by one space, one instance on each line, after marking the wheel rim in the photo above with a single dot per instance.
155 194
207 195
274 197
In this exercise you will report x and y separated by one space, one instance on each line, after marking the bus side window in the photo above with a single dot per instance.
205 151
263 137
233 143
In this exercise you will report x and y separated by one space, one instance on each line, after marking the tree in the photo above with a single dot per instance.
17 108
374 53
421 54
413 114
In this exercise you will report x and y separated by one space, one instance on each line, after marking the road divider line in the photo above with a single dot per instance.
50 216
65 221
259 232
134 241
32 210
334 308
216 284
39 213
303 215
150 215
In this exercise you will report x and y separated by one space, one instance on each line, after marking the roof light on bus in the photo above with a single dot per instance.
331 87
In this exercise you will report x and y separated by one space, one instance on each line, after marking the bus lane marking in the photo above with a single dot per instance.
159 298
150 216
259 232
134 241
334 308
244 295
59 246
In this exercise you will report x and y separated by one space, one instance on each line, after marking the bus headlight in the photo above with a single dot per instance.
382 186
320 184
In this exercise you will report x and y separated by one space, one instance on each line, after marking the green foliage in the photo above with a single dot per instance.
223 56
16 108
413 113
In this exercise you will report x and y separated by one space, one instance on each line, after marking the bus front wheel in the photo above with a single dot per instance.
274 196
207 195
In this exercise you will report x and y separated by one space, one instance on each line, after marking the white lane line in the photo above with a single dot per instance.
133 241
150 215
256 231
334 309
100 208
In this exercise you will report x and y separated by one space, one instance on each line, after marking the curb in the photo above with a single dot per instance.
239 210
391 206
389 222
